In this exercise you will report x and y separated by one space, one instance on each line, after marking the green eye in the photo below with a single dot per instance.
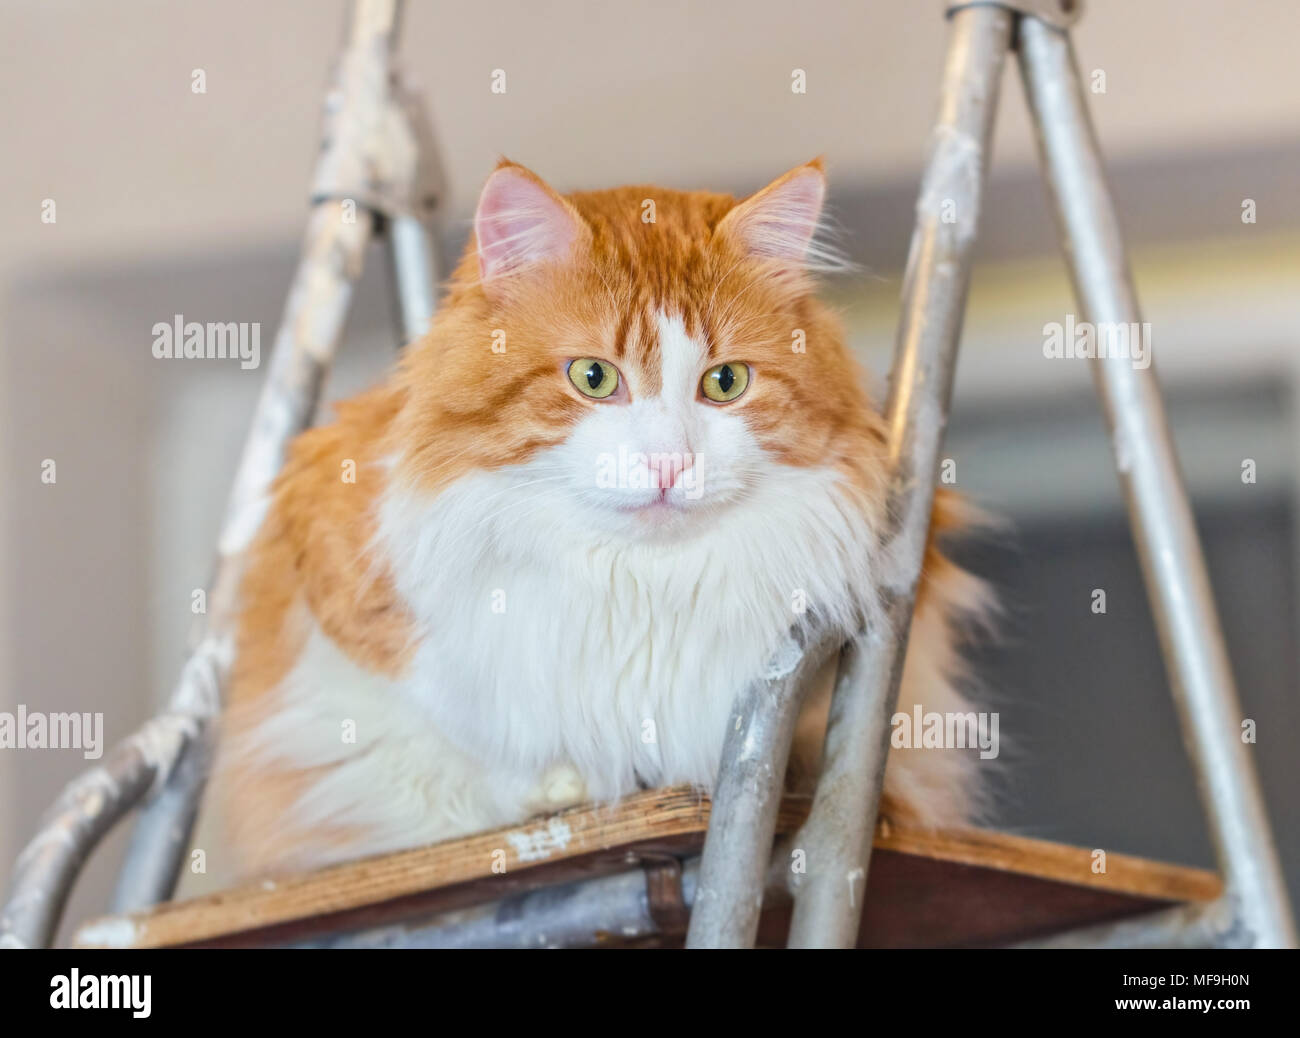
725 382
594 378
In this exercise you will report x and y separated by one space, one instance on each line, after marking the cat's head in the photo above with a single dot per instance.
653 355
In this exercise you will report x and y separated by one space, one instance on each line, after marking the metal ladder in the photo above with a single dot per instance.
378 174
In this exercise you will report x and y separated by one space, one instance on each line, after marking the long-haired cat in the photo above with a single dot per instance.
535 566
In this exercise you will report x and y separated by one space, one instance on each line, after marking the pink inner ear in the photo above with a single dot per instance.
780 221
519 223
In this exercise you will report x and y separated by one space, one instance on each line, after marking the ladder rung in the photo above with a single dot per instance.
954 887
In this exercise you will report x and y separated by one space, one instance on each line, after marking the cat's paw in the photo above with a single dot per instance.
559 787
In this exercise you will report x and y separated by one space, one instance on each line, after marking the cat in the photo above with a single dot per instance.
534 566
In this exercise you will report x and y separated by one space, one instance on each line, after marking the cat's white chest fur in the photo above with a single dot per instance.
544 643
554 663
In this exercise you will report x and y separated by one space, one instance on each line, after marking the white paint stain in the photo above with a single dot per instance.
539 844
108 933
783 662
855 877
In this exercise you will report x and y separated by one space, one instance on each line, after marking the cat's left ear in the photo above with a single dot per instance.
778 223
521 222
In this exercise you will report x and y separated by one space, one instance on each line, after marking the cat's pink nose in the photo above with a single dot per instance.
667 468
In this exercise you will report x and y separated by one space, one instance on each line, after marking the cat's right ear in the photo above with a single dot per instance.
521 222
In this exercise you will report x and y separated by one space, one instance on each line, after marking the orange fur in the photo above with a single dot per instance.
453 406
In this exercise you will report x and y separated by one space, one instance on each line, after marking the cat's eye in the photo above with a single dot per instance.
594 378
723 383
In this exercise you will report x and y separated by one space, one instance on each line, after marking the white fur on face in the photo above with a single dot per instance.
664 462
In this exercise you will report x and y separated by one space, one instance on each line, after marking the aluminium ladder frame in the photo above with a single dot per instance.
377 169
378 157
1254 909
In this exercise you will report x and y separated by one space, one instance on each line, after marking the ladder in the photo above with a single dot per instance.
378 175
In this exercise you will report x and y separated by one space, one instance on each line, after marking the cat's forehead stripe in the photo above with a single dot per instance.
636 348
647 353
623 335
680 355
661 350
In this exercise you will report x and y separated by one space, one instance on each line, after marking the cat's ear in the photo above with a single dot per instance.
779 222
520 222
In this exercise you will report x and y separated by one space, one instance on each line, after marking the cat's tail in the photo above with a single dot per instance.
944 748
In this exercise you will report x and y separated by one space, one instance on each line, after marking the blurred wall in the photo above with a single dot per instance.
98 112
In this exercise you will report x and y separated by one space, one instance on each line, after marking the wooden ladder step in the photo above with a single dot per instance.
949 888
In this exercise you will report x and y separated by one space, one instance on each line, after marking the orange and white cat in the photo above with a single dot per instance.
535 566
